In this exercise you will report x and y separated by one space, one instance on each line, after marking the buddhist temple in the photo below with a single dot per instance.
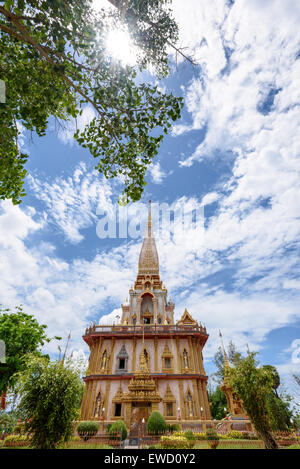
149 361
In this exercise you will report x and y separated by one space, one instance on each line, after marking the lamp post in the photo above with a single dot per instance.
179 414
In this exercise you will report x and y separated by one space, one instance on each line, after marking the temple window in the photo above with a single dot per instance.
169 409
121 363
118 409
167 362
122 360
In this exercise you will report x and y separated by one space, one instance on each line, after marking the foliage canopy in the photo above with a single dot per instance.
21 334
54 62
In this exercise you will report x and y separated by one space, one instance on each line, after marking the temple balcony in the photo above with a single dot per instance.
148 331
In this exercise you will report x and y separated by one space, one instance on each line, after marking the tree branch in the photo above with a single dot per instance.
116 4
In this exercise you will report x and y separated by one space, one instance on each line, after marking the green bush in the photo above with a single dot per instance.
189 435
87 429
156 423
173 427
118 428
108 427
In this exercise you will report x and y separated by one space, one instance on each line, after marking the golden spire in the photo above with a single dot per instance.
149 222
224 352
148 260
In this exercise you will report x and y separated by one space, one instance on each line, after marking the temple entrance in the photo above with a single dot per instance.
140 411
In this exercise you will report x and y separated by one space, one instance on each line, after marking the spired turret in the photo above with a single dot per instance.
148 299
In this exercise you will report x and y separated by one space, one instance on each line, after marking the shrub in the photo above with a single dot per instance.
156 423
189 435
108 427
175 442
118 428
173 427
16 440
235 435
87 429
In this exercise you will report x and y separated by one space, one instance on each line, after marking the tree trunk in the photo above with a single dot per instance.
268 439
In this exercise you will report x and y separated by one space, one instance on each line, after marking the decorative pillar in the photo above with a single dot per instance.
182 405
191 355
106 399
155 303
178 356
128 414
196 399
155 355
205 400
90 413
133 355
84 402
98 359
139 303
111 358
196 355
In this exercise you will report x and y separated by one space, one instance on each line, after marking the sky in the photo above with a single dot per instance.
235 152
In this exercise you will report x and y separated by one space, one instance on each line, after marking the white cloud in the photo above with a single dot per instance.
210 198
156 172
72 202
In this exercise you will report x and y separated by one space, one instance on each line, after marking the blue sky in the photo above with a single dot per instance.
235 151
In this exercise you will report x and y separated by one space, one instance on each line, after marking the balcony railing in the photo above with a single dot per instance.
145 329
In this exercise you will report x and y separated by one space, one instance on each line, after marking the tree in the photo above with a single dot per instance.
278 406
50 398
233 356
253 386
156 423
22 334
54 62
218 402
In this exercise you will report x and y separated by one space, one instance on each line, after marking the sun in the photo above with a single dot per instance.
120 47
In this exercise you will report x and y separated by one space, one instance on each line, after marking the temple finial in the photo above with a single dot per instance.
224 351
149 224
